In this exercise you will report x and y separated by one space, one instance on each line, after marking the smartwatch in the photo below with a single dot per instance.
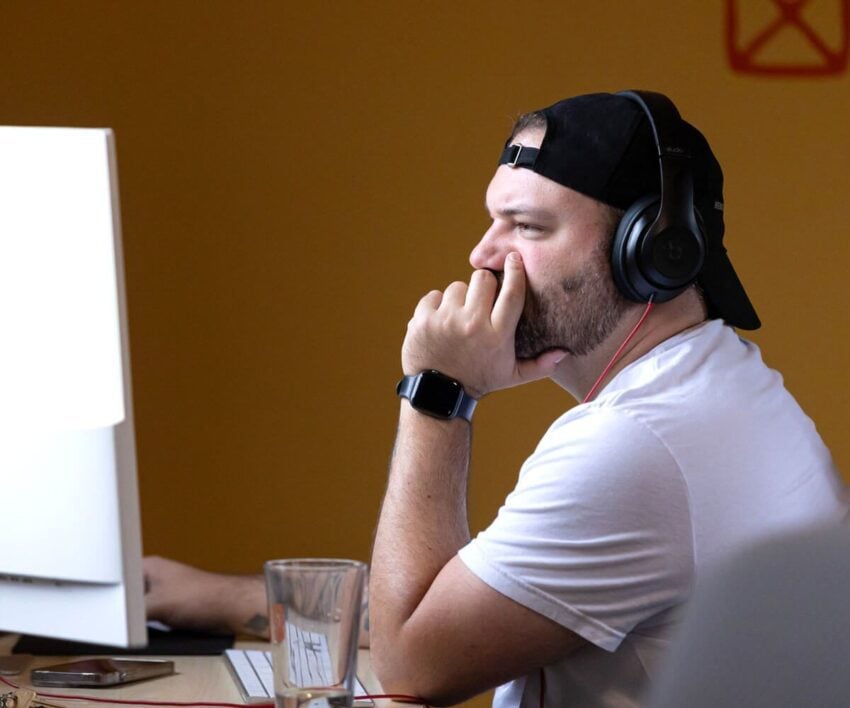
437 395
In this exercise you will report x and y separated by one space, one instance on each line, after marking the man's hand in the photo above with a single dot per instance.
467 332
189 598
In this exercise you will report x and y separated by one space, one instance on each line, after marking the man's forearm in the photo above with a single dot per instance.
187 597
247 613
250 613
239 603
244 608
423 521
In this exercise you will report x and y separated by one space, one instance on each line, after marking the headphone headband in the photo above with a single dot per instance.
659 246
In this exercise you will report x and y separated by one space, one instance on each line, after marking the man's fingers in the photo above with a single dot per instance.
455 295
428 303
509 304
482 290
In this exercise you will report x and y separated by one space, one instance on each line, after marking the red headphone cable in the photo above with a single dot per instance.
619 352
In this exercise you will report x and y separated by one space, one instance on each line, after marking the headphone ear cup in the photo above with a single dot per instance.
627 246
655 263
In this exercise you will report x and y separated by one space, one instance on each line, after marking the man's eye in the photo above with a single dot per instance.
524 228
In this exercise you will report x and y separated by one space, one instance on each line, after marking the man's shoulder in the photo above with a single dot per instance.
598 447
704 366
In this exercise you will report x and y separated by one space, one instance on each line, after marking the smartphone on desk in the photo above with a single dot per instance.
100 672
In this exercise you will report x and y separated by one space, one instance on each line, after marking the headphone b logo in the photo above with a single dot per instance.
673 250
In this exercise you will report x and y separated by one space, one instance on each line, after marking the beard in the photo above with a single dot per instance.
575 315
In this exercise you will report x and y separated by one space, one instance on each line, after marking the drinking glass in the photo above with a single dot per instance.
314 617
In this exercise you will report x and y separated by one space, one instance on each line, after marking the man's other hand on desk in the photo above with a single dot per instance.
185 597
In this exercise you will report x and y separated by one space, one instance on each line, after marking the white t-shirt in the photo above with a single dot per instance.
691 451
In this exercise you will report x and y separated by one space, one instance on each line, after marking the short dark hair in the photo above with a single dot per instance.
528 121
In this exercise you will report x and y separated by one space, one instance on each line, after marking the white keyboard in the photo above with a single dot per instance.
252 670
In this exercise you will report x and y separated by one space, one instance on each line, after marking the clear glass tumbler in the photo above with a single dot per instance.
314 617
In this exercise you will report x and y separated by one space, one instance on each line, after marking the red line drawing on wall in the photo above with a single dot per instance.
744 57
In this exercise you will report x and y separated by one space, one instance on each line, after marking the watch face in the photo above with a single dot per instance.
436 394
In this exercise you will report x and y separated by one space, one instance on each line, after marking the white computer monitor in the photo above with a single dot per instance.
70 539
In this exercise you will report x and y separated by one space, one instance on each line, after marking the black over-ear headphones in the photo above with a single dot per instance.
659 246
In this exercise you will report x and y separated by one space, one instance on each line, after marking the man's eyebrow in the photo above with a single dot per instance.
524 210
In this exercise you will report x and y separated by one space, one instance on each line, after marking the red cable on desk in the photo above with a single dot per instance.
116 701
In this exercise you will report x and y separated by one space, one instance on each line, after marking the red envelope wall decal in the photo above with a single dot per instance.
827 57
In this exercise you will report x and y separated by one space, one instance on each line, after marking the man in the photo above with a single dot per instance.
685 445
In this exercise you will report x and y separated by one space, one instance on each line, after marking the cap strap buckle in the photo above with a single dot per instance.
513 161
518 156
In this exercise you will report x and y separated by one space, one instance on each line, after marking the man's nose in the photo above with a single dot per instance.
487 254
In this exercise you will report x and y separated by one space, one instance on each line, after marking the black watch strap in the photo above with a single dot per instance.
437 395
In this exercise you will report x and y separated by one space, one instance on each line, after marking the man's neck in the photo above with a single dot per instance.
578 375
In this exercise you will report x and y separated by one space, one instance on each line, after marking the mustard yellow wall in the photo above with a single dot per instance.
295 175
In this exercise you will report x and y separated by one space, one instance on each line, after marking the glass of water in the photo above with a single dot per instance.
314 617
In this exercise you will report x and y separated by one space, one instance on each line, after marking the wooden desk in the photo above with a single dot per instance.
198 679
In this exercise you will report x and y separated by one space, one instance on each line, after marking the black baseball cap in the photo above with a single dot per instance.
603 145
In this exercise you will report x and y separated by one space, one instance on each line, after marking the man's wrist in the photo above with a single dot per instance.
437 395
